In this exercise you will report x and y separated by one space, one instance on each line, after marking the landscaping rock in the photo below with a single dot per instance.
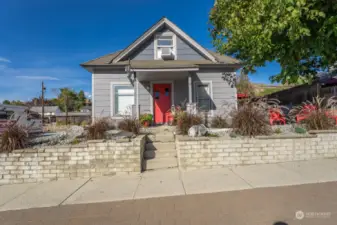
197 131
58 138
74 132
118 134
219 131
48 139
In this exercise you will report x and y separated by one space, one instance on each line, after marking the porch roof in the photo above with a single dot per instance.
107 61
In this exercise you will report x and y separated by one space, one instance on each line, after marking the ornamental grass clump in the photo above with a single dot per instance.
97 129
129 124
14 137
219 122
251 118
318 114
185 120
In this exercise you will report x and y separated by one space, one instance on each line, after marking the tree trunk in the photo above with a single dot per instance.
66 109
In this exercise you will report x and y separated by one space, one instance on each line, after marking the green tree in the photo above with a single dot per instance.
17 102
66 101
243 84
6 102
81 100
301 35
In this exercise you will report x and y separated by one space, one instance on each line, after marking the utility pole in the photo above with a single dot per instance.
43 89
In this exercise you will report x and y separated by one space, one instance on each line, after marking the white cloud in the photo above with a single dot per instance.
4 60
87 94
26 82
37 77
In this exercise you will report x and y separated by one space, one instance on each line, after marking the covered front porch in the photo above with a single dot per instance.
157 91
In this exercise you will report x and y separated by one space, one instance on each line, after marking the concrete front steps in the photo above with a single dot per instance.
160 151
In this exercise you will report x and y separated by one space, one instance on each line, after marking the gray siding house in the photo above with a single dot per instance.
161 68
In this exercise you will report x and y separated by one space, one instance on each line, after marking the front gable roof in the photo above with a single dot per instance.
123 58
150 32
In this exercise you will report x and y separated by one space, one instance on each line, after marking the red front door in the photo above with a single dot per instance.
162 102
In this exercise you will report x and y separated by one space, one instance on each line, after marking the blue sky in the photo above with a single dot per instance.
47 40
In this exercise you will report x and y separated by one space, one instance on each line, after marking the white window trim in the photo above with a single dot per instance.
112 97
195 83
161 82
174 46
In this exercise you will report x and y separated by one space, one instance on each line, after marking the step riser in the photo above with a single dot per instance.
160 138
150 154
160 146
160 164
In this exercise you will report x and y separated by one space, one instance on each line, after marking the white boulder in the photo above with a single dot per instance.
197 131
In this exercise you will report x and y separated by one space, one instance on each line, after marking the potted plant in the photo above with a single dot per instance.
146 119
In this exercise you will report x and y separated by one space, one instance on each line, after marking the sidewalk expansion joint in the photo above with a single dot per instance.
241 178
134 193
15 197
74 191
182 182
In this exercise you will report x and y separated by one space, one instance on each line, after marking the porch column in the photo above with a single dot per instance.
137 95
189 88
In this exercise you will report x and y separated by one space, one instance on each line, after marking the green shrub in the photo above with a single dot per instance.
251 118
60 123
97 129
278 131
185 121
130 125
300 130
219 122
84 123
146 118
14 137
232 135
75 141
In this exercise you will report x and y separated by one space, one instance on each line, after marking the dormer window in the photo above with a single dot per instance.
165 47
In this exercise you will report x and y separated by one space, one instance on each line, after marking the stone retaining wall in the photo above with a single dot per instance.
216 152
97 158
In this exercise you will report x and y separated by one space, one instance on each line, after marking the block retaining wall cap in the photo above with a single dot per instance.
322 131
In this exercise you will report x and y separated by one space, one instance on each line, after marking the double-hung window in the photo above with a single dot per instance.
123 99
203 95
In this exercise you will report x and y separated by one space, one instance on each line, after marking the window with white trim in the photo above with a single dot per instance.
123 99
203 96
165 43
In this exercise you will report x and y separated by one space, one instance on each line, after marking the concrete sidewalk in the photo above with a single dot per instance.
165 183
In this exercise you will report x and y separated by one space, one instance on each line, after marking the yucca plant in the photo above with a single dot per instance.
14 137
319 113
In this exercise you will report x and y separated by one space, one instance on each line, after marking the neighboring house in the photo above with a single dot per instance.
86 109
324 86
48 110
161 68
54 114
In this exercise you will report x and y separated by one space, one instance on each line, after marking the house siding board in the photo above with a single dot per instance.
184 50
146 52
224 96
102 88
180 91
144 97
